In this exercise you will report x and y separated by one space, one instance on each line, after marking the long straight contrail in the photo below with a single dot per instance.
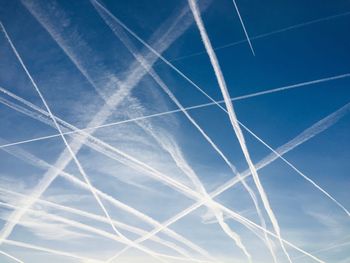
47 180
114 27
33 160
233 119
264 35
11 257
306 135
124 89
243 26
90 229
160 177
129 228
242 97
167 62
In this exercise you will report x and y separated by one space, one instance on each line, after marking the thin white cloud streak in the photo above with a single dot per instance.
49 250
306 135
271 33
33 160
124 87
11 257
233 119
90 229
168 181
78 212
197 87
48 178
260 93
178 158
243 26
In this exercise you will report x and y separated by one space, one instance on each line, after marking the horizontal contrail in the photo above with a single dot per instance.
315 21
33 160
260 93
129 228
11 257
90 229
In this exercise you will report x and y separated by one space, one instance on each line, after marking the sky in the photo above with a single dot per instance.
174 131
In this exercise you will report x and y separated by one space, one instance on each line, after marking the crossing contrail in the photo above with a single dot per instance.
260 93
108 18
233 119
129 228
91 229
33 160
264 35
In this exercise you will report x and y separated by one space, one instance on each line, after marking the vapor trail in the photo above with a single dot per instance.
190 81
11 257
271 33
232 115
33 160
243 26
48 179
306 135
90 229
102 219
260 93
124 87
179 160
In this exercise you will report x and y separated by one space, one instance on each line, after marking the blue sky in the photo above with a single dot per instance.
92 72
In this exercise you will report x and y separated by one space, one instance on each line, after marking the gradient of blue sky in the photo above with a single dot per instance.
318 50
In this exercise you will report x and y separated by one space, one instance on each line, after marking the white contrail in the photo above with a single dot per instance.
183 165
260 93
91 229
33 160
271 33
49 250
11 257
243 26
190 81
131 229
117 97
233 119
47 180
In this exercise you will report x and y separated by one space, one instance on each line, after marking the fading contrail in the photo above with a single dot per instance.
48 178
197 87
243 26
105 14
260 93
90 229
108 18
11 257
233 118
33 160
129 228
306 135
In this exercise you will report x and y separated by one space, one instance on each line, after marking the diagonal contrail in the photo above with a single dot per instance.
106 15
242 97
33 160
90 229
243 26
264 35
233 119
11 257
129 228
